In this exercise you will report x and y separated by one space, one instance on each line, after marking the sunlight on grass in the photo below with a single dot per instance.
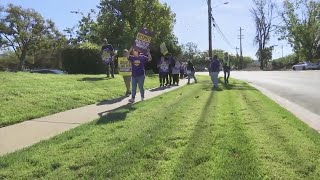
190 133
24 96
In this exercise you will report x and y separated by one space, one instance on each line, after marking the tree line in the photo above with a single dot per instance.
35 41
299 26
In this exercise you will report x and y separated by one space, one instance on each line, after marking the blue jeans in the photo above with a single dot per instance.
214 78
138 80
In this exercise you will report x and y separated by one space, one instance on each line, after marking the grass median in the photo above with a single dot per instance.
25 96
233 132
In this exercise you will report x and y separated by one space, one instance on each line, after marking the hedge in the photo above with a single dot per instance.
82 61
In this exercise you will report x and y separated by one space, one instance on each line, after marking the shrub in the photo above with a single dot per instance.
285 62
82 60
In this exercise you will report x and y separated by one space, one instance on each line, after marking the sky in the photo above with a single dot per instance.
191 21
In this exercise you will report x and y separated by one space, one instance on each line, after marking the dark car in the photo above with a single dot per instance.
47 71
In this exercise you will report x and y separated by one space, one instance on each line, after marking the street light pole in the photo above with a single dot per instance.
210 28
210 25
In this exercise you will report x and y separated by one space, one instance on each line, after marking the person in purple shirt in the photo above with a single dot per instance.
215 67
138 62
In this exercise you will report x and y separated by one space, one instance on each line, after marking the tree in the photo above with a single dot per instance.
263 14
302 27
190 51
85 31
119 21
24 29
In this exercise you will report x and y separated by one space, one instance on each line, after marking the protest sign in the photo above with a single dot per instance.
106 56
164 49
143 40
125 66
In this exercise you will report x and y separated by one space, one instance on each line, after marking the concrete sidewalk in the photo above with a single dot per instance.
27 133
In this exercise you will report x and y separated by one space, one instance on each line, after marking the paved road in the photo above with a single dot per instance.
299 87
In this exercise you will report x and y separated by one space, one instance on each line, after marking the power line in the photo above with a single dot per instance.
222 35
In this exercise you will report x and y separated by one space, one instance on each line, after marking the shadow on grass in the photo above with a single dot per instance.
235 85
159 89
196 152
111 101
94 79
116 115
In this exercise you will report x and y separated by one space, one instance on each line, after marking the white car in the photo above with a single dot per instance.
305 66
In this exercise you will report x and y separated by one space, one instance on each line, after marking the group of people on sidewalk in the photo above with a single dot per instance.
170 69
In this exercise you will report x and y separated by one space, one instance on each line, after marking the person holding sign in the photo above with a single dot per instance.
176 72
125 70
138 62
107 58
163 70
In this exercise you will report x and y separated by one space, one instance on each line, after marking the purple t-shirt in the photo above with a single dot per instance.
138 63
215 65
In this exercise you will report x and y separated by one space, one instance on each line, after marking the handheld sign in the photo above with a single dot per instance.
164 49
106 56
143 40
125 67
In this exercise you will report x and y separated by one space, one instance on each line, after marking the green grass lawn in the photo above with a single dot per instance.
191 133
25 96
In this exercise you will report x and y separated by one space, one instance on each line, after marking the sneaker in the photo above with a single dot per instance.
142 99
128 93
131 100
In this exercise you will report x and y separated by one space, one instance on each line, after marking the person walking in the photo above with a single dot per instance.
163 67
171 66
226 70
215 69
191 72
176 72
127 75
138 62
168 62
107 53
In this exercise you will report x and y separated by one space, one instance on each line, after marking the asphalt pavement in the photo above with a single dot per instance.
297 91
299 87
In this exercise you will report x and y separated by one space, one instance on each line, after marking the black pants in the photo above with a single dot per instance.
170 78
166 77
226 76
175 79
163 77
110 69
181 75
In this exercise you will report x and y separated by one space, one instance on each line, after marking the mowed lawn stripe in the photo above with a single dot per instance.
191 133
107 138
286 147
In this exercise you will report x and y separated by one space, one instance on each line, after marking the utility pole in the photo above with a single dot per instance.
241 57
237 50
210 28
282 50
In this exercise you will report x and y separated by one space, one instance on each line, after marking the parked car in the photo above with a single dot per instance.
306 66
47 71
